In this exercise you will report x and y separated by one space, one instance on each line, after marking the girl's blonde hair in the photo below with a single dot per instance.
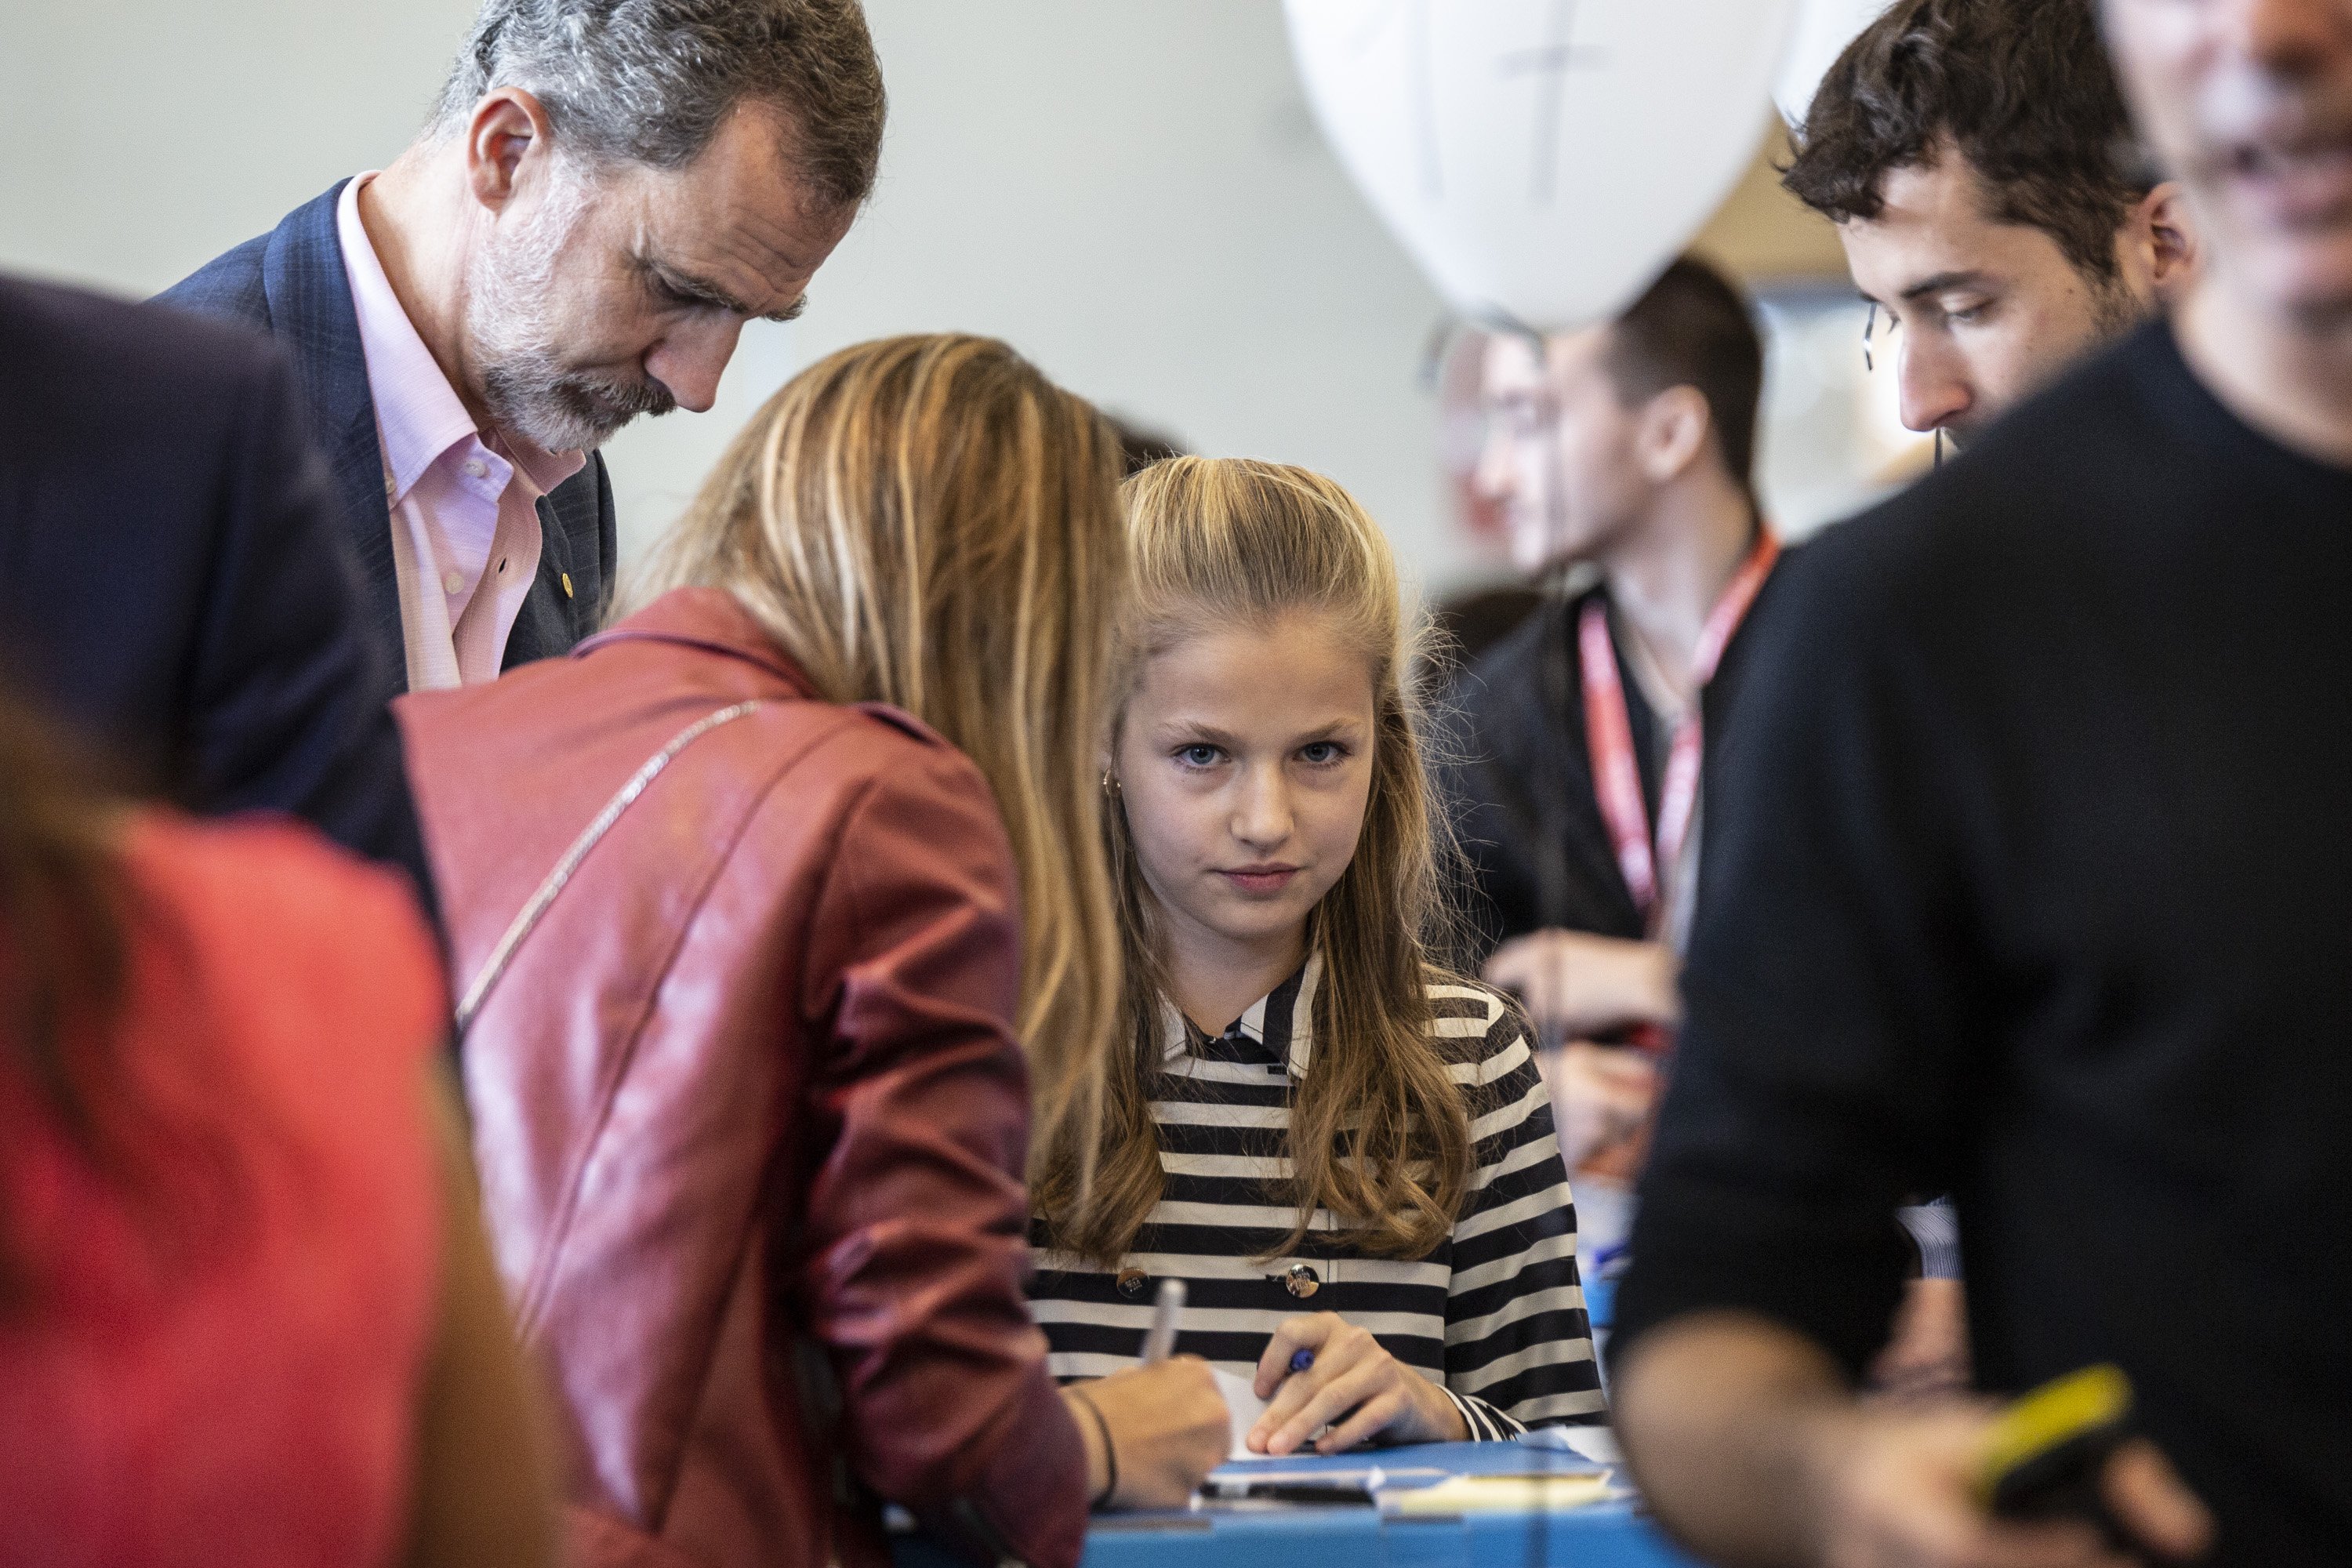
1379 1134
928 522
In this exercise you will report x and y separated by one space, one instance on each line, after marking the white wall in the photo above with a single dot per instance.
1128 190
138 138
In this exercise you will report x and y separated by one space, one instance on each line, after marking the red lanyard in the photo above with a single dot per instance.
1609 732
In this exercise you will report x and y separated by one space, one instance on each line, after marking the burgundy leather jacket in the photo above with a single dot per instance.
748 1107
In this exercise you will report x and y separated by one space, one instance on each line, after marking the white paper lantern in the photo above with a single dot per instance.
1542 160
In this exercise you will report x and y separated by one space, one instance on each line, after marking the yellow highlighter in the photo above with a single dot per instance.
2044 1456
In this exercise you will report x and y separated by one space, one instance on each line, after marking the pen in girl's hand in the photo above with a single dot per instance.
1301 1359
1162 1340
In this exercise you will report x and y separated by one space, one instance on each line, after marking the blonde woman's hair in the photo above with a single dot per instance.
928 522
1379 1134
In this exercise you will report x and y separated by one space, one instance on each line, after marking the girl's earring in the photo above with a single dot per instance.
1110 785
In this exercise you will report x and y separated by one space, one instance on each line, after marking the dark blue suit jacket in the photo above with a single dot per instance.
290 283
174 586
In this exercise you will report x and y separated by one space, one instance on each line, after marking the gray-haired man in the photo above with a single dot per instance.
606 192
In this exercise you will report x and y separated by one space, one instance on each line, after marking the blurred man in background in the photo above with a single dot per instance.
1627 450
1975 155
605 195
2037 890
175 592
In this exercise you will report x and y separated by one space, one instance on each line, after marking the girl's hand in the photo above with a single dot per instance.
1169 1424
1351 1373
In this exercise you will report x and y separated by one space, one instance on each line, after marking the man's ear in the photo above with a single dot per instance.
509 125
2162 224
1671 433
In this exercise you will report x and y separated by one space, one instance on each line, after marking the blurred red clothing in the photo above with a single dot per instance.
219 1354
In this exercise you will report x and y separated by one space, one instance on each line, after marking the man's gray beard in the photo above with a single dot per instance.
528 394
524 384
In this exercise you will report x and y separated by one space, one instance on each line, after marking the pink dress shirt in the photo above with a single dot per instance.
465 506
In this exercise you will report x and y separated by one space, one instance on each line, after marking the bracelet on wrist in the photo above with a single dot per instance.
1110 1453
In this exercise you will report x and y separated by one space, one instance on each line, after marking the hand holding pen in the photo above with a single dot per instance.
1320 1370
1154 1431
1167 1316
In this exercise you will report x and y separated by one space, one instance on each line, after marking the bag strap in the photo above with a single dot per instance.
529 916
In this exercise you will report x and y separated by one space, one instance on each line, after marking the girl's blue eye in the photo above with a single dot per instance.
1198 756
1320 752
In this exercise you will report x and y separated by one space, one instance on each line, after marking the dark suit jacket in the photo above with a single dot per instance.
1518 778
174 586
1518 782
290 283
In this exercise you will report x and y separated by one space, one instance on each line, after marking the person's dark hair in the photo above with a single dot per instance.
1693 329
2022 89
61 940
649 81
70 912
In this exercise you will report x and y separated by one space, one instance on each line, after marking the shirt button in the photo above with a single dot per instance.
1131 1281
453 580
388 486
1301 1280
476 466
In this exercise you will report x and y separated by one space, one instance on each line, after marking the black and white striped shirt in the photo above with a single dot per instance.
1495 1315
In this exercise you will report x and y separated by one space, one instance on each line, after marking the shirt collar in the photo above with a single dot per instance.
1281 1023
543 470
417 413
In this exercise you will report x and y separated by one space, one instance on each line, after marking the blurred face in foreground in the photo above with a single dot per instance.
2249 104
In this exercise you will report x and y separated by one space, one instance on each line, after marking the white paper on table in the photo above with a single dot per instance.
1598 1444
1243 1405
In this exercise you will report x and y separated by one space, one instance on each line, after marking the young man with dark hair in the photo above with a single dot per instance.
1975 155
2035 886
1626 449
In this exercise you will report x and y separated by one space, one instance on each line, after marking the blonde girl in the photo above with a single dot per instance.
1343 1149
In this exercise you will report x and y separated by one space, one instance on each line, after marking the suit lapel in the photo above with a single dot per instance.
312 313
568 594
313 316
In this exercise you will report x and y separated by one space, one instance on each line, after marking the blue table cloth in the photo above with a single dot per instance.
1603 1535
